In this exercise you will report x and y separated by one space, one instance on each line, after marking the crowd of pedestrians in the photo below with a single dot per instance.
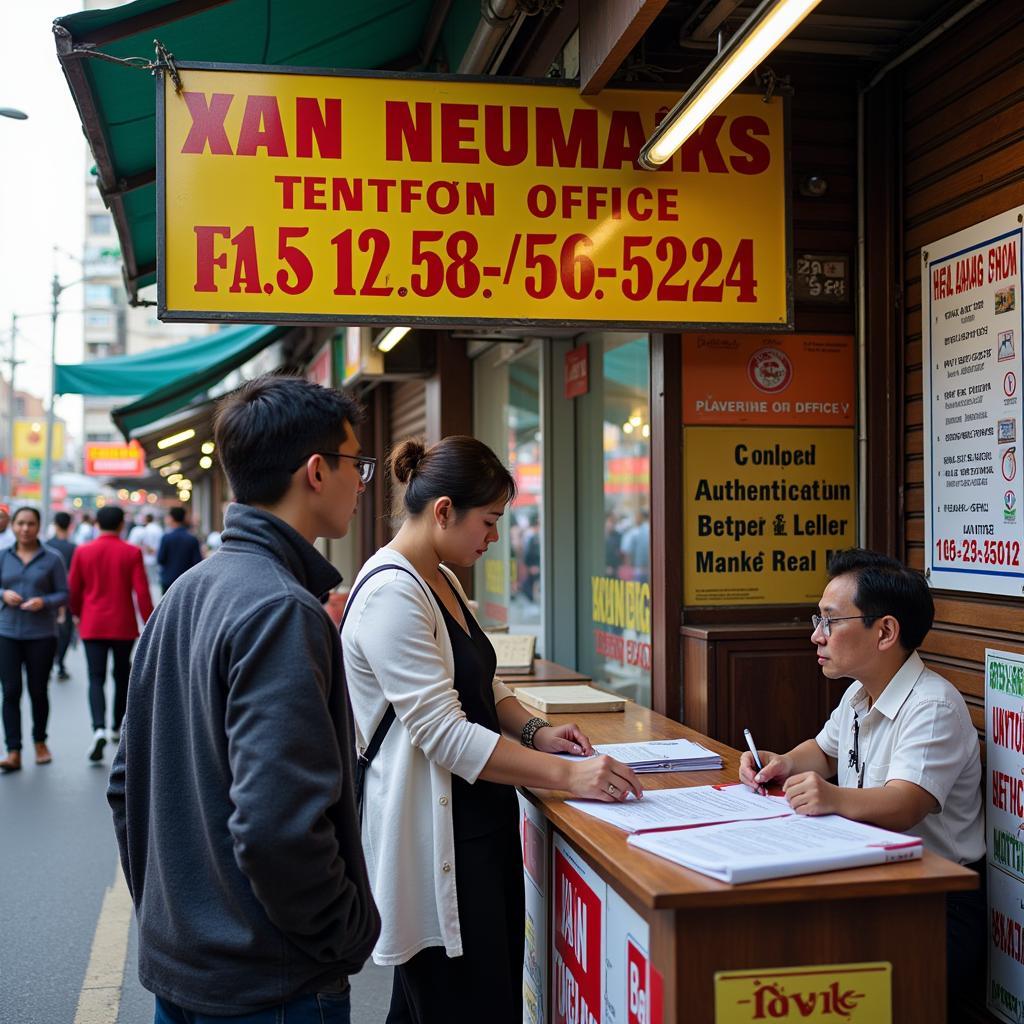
84 583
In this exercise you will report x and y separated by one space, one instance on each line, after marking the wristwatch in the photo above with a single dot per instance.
530 730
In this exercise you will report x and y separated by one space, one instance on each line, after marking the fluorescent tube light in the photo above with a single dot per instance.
768 26
388 341
169 442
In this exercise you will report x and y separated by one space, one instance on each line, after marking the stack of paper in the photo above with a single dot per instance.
751 851
662 755
575 698
735 835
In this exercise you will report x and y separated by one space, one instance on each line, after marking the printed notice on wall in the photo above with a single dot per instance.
1004 814
292 196
971 318
764 509
577 929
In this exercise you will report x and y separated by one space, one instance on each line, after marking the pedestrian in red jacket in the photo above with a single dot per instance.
104 577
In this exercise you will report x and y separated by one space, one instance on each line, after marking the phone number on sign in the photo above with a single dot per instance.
667 269
984 552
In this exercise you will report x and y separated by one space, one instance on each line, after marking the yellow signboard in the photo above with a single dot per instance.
30 439
763 510
852 993
287 195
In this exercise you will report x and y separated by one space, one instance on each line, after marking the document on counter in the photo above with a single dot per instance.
661 755
684 808
751 851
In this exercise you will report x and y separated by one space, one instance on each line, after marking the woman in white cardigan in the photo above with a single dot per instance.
440 826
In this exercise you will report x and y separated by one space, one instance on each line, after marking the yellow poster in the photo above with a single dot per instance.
297 196
763 510
852 993
30 439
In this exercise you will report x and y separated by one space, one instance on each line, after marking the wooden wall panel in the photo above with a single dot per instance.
963 154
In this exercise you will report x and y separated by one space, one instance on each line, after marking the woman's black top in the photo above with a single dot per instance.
483 807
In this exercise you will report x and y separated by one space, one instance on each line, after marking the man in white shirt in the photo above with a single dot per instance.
7 537
901 741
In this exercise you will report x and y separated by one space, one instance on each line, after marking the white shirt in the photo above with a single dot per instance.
7 539
397 651
919 730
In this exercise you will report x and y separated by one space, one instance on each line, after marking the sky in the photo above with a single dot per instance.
43 165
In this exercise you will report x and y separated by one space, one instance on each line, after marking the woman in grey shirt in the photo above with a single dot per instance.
33 586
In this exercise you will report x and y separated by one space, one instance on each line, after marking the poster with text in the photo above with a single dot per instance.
972 361
535 835
1004 822
763 510
577 929
632 984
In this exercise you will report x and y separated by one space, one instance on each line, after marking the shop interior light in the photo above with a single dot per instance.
760 34
636 420
184 495
208 447
151 498
170 442
646 430
134 497
627 427
185 485
162 460
389 340
205 462
174 478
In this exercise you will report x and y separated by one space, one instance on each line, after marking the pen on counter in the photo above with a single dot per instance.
757 756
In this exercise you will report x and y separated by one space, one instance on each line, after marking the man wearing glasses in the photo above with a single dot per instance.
901 743
232 789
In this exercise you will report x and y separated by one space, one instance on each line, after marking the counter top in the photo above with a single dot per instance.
659 884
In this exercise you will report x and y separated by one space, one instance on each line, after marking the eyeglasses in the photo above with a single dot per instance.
826 621
366 464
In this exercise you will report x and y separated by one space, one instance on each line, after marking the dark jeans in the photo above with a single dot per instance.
319 1008
35 657
967 943
65 631
96 658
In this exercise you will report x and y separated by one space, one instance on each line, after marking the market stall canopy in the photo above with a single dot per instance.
166 378
116 102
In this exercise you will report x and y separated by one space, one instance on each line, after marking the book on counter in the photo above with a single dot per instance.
574 698
514 651
737 836
660 755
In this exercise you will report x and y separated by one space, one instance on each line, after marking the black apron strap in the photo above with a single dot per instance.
363 759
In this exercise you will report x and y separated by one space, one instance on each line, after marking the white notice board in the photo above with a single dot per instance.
972 316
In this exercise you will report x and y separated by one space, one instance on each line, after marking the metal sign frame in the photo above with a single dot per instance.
294 319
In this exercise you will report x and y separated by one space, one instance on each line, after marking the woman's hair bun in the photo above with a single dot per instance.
406 457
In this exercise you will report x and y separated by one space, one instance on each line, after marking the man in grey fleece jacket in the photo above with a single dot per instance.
232 786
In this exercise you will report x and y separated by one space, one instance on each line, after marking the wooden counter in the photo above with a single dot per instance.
698 925
544 672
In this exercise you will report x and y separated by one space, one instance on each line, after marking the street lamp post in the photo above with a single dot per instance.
12 364
51 416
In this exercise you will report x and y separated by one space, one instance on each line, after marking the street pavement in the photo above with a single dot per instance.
58 859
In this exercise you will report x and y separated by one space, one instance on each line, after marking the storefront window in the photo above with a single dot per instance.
509 578
614 517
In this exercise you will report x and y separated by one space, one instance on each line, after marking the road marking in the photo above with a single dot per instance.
100 998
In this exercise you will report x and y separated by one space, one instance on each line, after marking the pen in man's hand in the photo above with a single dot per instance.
757 757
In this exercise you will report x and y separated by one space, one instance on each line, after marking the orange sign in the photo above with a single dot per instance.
115 459
789 380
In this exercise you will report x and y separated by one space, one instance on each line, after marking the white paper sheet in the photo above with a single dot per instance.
749 851
694 805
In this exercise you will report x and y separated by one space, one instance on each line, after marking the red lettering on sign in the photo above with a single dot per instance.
261 128
626 137
704 143
323 124
556 148
757 156
407 137
206 260
208 123
518 135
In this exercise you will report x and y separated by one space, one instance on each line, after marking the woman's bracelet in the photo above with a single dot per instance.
530 730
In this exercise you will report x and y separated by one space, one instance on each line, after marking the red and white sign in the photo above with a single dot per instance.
535 832
103 459
577 371
320 368
577 927
632 985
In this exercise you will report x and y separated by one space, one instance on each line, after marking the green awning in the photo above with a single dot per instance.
117 103
166 378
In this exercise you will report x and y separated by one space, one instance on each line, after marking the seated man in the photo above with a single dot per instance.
901 739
